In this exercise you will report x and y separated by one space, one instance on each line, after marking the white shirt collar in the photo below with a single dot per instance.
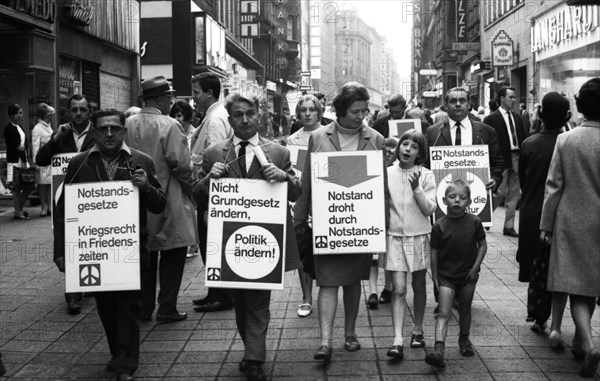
465 123
253 140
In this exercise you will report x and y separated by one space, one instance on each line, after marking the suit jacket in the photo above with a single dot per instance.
13 141
496 121
439 135
65 145
87 167
325 139
381 125
224 152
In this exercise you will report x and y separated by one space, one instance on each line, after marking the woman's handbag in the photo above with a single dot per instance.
24 173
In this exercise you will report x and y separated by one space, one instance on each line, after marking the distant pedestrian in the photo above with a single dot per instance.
16 159
570 222
533 255
525 117
458 246
412 201
40 135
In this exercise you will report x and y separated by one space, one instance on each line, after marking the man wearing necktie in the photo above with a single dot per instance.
511 133
235 158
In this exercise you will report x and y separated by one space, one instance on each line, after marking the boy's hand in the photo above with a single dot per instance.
473 273
413 179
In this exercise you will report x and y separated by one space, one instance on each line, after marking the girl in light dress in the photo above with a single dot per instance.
412 200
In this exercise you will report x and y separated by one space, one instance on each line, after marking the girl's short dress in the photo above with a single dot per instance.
407 254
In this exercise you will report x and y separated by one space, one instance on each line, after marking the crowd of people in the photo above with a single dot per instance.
171 155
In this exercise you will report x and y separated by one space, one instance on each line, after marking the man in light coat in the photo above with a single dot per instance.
172 231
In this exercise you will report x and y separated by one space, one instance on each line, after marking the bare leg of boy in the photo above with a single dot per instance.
465 300
445 299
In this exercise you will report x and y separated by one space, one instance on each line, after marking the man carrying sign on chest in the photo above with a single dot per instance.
235 158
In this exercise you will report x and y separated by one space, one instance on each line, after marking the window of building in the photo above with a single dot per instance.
495 10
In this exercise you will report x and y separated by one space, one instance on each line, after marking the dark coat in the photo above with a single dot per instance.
224 152
87 167
534 163
496 121
381 125
65 145
439 135
13 141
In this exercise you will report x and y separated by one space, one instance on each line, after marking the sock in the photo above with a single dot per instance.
463 339
439 347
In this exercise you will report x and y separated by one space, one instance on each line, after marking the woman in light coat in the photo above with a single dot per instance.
40 135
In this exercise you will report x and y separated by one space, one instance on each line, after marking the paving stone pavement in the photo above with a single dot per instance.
40 341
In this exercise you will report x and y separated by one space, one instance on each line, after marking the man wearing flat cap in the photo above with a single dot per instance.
153 132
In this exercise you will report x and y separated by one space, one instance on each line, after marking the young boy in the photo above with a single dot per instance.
458 246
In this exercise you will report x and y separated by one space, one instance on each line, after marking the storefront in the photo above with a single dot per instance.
566 43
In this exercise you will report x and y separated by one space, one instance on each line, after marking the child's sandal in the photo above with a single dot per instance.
417 341
467 350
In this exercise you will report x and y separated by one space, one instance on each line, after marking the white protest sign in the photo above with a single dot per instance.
246 234
469 163
297 157
102 236
348 202
58 171
400 126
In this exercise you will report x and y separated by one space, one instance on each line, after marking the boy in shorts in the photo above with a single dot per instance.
458 247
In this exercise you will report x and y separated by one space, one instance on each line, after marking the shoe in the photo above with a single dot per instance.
590 364
467 349
396 351
556 341
43 214
145 317
21 216
352 344
373 302
576 349
243 365
386 296
171 318
214 306
2 367
436 360
255 372
26 214
201 302
304 310
49 213
192 251
539 328
417 341
324 353
125 377
73 308
510 232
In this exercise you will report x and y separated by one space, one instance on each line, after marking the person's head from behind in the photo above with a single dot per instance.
15 113
243 116
351 105
132 111
206 90
309 110
493 105
44 112
390 150
397 106
182 111
411 149
80 111
322 99
555 111
457 102
158 93
457 197
109 131
587 99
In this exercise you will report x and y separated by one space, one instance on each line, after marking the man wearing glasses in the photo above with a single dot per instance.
460 130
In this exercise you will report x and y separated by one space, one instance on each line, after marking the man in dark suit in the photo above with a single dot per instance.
511 133
71 137
110 159
471 132
396 108
235 158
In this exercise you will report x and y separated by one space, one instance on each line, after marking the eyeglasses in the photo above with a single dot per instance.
109 129
454 101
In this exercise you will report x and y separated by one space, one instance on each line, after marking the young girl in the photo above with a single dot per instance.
412 201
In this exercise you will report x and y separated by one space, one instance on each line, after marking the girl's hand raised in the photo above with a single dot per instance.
413 179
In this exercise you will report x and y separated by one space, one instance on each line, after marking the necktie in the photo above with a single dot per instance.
457 139
242 158
512 130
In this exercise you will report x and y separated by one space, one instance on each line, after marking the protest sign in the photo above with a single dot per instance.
469 163
58 170
102 236
400 126
348 202
246 234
